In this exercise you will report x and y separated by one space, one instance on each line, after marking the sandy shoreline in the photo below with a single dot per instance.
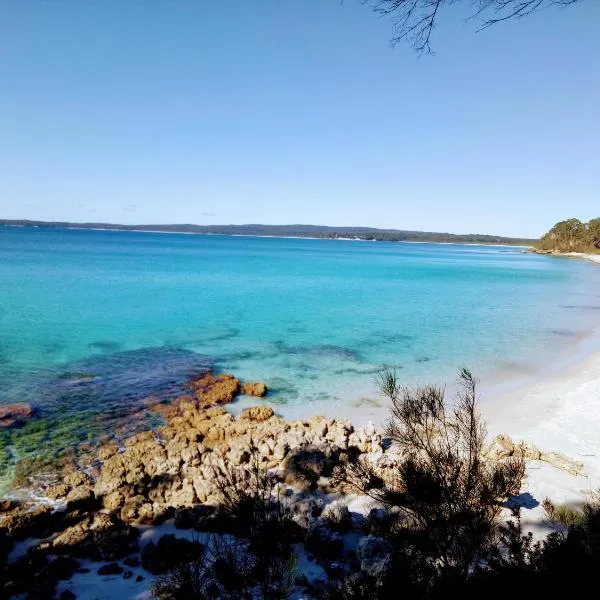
595 258
558 414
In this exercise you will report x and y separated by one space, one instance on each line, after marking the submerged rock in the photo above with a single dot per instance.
12 415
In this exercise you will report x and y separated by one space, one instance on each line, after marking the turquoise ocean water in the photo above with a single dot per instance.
93 322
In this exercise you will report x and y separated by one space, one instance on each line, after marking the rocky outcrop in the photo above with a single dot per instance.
502 446
212 390
12 415
156 474
25 520
562 462
99 536
177 471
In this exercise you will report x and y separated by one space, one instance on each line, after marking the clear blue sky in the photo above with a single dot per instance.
296 111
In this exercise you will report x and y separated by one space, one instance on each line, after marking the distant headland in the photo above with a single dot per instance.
301 231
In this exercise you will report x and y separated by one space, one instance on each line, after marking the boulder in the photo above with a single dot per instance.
303 467
58 491
530 451
214 390
76 478
136 510
501 447
322 543
204 488
108 450
112 476
182 493
257 414
188 517
132 561
239 454
113 500
8 505
254 388
338 517
305 509
80 495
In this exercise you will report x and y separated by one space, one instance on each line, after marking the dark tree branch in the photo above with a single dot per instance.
414 20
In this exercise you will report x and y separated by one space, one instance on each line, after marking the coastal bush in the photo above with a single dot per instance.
446 495
228 569
253 499
338 517
322 544
573 551
567 557
572 236
189 579
169 553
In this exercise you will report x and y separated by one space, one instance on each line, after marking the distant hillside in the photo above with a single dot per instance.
572 235
315 231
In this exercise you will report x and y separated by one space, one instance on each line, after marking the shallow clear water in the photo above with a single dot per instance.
92 322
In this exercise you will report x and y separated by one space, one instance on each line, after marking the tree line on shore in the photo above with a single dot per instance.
572 235
302 231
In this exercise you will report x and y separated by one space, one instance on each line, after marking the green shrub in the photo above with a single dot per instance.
572 236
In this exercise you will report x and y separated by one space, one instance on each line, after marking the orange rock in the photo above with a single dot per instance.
254 388
258 414
14 414
213 390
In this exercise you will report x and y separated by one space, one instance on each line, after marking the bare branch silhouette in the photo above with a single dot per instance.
415 20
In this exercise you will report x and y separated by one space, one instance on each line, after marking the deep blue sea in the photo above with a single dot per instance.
94 322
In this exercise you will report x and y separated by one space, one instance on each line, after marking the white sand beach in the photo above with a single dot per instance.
595 258
559 414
